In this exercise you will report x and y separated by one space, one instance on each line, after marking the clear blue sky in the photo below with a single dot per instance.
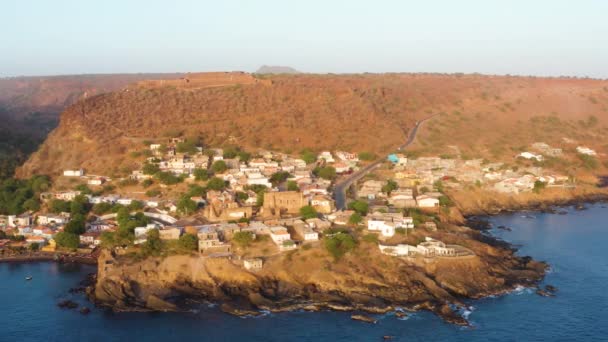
531 37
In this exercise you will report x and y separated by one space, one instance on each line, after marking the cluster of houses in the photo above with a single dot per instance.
414 175
429 248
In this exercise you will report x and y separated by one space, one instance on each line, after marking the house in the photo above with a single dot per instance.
66 195
170 233
398 250
280 203
426 201
318 224
279 234
370 189
154 147
209 241
124 201
141 233
586 151
529 155
36 240
24 219
305 232
47 219
73 173
253 263
402 198
96 181
322 204
326 155
341 217
90 238
342 167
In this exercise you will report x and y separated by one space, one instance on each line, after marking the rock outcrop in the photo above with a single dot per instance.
364 280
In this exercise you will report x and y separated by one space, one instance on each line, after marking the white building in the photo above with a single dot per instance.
529 155
585 150
424 201
279 235
73 173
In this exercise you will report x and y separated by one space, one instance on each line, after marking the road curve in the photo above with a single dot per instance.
340 188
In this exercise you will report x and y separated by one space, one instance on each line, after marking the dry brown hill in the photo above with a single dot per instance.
370 112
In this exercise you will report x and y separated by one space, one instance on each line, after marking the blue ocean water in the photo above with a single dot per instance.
575 245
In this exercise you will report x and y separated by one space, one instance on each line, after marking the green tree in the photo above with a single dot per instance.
201 174
188 242
327 172
32 204
360 207
390 186
216 183
339 244
147 182
539 186
186 206
80 205
153 193
67 240
243 239
279 177
59 206
150 169
76 225
188 146
308 212
168 178
355 219
308 156
438 185
292 186
367 156
241 196
102 208
153 245
244 156
219 166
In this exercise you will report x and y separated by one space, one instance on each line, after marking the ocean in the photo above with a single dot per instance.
575 245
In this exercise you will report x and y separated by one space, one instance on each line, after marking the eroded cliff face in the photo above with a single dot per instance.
308 279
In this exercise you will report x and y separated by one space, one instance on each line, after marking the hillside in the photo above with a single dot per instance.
30 108
481 115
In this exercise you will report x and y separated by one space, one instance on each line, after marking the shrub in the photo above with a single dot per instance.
67 240
216 183
201 175
188 242
355 219
340 244
308 212
243 239
153 193
327 172
292 186
367 156
219 166
371 238
360 207
150 169
308 156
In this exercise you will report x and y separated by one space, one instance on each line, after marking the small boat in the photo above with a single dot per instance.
28 278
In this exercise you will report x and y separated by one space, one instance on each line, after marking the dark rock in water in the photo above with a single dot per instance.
580 207
562 212
544 293
504 228
550 288
548 210
479 224
77 290
400 314
387 337
67 304
363 318
84 310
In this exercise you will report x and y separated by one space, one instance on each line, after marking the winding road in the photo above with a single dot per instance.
340 188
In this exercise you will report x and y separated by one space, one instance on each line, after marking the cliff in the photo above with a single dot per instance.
308 279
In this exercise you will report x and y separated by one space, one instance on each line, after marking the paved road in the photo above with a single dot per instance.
340 188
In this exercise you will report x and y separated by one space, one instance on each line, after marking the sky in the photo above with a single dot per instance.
531 37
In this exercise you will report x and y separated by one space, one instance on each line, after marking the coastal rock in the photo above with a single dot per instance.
364 318
367 281
67 304
85 311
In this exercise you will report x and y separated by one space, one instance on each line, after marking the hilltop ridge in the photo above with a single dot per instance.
362 112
